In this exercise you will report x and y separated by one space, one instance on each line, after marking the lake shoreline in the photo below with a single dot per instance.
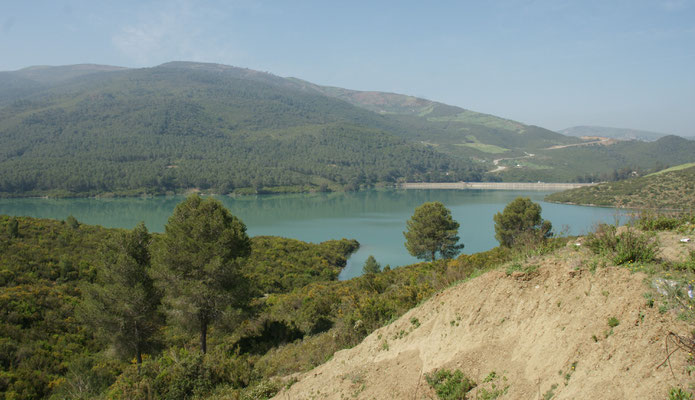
542 186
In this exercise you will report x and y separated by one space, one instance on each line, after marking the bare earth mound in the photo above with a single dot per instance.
545 330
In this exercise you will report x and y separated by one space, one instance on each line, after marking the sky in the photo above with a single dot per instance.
551 63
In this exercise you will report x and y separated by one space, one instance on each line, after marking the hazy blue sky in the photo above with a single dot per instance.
552 63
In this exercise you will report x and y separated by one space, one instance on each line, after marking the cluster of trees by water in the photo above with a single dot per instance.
200 310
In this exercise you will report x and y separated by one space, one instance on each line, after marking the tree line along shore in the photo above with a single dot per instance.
493 185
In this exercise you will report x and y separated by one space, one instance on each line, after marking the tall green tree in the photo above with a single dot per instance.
371 266
521 221
200 261
123 304
13 228
432 230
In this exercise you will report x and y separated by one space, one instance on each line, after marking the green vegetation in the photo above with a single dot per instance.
485 148
431 230
219 129
371 266
200 260
603 162
676 168
288 327
674 190
613 322
520 223
628 246
615 133
278 265
180 126
52 274
123 305
679 394
50 267
450 385
492 387
550 393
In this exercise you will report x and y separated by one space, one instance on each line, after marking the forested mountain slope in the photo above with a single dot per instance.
450 129
93 130
602 160
615 133
182 125
673 189
510 150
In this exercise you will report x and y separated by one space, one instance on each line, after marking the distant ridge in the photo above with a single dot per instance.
90 129
614 133
55 74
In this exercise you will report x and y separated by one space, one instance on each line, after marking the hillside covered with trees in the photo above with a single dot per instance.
98 130
175 127
65 293
670 189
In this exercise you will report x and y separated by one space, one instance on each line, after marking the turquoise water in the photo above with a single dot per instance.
376 218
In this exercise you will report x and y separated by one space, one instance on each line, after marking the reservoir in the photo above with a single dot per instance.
376 218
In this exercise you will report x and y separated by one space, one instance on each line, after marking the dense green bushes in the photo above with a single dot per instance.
672 190
45 349
623 247
450 385
300 315
279 264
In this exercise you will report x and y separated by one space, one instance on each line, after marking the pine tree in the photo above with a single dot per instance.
199 261
521 221
123 304
371 266
431 230
13 228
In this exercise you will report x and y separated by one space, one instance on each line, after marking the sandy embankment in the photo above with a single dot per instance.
546 332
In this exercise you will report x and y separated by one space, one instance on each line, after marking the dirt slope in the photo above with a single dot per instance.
531 328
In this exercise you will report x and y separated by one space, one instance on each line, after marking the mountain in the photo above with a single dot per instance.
673 189
51 75
15 85
191 125
93 130
614 133
512 151
600 160
450 129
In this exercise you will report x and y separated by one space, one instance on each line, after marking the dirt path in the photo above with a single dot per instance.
602 141
502 167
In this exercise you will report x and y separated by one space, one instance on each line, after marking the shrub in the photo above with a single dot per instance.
648 222
634 247
627 246
520 223
181 374
450 385
613 322
679 394
603 239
